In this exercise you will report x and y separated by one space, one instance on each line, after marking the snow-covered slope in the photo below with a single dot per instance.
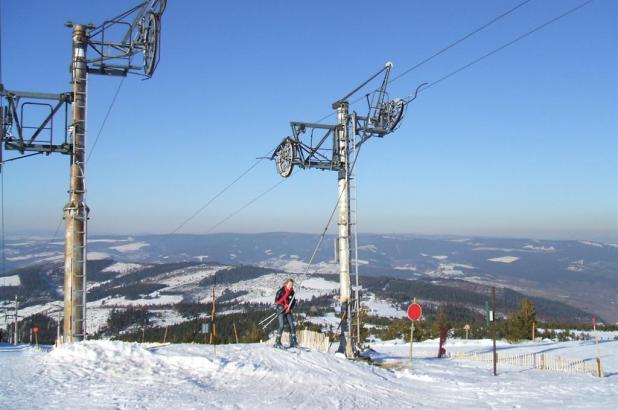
103 374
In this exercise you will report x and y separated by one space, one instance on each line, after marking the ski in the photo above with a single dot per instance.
294 349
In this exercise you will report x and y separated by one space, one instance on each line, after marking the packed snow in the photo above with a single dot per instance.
112 375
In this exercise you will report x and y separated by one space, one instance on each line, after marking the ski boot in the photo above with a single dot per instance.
293 342
278 344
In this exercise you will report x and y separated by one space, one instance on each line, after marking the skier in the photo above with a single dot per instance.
285 302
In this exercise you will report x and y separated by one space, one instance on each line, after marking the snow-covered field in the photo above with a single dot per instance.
116 375
504 259
12 280
293 265
130 247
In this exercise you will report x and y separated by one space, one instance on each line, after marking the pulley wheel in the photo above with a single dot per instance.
284 157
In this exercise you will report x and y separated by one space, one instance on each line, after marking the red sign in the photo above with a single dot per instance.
35 329
414 311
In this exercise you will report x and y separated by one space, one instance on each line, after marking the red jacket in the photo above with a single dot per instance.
284 298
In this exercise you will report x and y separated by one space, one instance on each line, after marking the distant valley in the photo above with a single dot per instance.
175 268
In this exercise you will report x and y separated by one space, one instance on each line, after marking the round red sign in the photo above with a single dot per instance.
415 311
35 329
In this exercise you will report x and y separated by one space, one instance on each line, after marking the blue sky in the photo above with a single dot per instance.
522 144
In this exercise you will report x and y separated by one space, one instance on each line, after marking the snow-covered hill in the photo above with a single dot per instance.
580 273
106 375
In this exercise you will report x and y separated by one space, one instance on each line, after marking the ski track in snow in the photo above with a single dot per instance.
106 375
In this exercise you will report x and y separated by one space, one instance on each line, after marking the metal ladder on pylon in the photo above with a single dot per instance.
354 232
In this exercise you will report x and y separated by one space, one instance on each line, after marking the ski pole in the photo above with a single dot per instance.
271 320
269 317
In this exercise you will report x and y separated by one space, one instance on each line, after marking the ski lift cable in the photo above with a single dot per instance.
443 50
54 236
502 47
217 195
242 208
109 110
453 44
199 210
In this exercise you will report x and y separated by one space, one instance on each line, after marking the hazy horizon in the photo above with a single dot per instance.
607 238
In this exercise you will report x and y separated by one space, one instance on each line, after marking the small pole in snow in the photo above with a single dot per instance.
412 336
212 316
596 338
235 332
411 342
414 313
16 316
493 325
58 343
165 334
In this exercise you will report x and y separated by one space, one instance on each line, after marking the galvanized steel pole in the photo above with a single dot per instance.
76 212
345 344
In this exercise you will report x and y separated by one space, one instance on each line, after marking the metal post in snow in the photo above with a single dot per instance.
412 337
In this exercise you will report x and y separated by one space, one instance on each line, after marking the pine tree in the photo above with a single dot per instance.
519 326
